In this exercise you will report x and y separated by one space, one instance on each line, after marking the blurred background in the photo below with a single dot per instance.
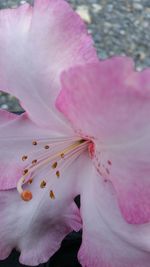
119 27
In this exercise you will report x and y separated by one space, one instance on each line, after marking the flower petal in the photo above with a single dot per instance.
113 106
36 228
127 165
92 97
36 44
107 239
17 132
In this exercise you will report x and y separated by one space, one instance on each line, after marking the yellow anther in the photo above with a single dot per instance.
24 158
30 181
54 165
25 171
62 155
58 174
34 143
34 161
51 194
43 184
46 147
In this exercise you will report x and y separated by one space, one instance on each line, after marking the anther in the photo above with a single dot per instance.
30 181
51 194
34 161
24 158
109 162
58 174
62 155
25 171
54 165
34 143
43 184
46 147
26 195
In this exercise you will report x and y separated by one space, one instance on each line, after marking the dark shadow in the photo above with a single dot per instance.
66 256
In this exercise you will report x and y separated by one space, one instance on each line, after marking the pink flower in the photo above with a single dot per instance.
99 149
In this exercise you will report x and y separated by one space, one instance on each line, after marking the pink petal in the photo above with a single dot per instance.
16 136
91 95
108 241
36 44
36 228
110 102
129 172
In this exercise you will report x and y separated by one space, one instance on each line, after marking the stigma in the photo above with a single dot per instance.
52 155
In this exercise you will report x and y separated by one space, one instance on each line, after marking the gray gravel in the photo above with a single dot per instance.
119 27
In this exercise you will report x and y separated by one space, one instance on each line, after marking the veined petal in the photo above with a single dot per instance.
127 166
17 134
36 44
95 97
110 102
36 228
108 240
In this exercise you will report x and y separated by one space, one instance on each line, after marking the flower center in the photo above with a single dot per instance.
53 155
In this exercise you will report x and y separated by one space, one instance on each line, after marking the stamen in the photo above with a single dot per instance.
63 152
46 147
34 161
34 143
51 194
30 181
54 165
24 158
58 174
62 155
25 171
43 184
